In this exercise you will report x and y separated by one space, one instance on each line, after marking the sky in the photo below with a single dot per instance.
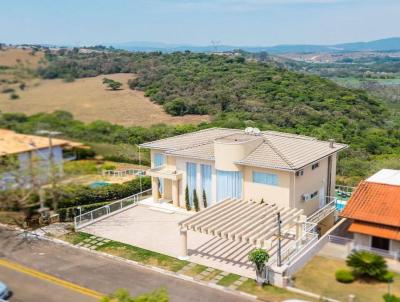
198 22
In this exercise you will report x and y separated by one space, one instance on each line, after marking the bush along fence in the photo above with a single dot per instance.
73 196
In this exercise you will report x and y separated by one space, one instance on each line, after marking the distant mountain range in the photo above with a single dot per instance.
388 44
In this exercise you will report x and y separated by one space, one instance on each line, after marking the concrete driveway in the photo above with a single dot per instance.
158 230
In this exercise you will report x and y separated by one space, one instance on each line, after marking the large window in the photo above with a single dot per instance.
206 182
191 172
229 184
265 178
159 160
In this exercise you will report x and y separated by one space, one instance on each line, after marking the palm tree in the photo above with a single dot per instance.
366 264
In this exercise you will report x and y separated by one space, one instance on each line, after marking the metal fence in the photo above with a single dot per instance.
123 173
89 217
323 212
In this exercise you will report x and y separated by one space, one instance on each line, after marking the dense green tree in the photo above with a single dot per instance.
112 84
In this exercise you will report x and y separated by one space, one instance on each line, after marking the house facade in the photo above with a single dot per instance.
31 157
288 170
374 212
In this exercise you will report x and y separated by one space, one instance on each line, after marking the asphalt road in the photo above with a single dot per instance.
88 271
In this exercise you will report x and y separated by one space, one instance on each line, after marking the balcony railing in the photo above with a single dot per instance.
325 211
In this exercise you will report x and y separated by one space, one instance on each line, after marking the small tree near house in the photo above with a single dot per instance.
187 199
259 257
111 84
195 201
204 199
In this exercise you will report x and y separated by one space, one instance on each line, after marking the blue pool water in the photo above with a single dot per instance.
98 184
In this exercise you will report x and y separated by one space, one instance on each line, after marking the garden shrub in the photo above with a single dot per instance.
344 276
76 195
390 298
387 277
367 265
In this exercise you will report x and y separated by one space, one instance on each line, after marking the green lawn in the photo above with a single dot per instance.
270 293
195 270
228 279
321 271
131 252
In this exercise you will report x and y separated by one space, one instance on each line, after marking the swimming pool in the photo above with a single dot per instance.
98 184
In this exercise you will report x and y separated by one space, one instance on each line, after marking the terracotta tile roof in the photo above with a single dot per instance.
278 151
375 230
13 143
375 203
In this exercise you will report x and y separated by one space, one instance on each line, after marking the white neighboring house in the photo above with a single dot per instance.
292 171
31 154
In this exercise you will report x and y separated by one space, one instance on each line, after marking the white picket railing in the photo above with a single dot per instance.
123 173
92 216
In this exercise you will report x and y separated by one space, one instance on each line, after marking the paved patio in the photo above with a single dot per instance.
157 230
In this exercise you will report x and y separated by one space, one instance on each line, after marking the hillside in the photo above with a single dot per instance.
376 45
237 93
88 100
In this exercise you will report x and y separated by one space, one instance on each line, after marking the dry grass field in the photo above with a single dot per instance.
10 57
88 100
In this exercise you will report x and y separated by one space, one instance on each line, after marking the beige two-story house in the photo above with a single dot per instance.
285 169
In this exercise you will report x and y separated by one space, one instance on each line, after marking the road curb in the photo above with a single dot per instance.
138 264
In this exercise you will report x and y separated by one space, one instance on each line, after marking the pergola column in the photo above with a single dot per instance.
175 192
299 227
154 188
184 249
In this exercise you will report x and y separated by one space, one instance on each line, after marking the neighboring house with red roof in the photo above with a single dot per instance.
374 210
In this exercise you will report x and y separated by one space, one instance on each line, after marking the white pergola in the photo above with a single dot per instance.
248 222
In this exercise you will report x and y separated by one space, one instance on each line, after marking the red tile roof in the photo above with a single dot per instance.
375 203
377 230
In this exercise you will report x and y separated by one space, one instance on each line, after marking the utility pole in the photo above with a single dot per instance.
53 175
279 251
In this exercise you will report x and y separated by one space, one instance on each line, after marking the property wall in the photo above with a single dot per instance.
361 239
271 194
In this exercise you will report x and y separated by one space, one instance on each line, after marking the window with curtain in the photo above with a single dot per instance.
191 171
265 178
159 161
206 182
229 184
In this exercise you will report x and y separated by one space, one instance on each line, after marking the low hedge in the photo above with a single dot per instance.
77 195
344 276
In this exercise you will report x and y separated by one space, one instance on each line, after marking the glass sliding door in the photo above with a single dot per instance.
159 161
229 184
206 182
191 172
